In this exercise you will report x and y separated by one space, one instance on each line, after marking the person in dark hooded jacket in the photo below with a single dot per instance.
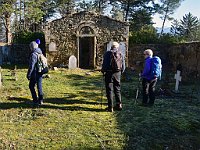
112 79
33 75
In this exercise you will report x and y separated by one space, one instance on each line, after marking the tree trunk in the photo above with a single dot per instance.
8 27
127 10
165 17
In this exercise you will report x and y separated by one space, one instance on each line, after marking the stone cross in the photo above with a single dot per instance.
178 79
72 62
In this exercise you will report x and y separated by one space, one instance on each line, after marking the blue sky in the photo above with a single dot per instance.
192 6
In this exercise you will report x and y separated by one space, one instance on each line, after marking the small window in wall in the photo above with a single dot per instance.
86 30
52 47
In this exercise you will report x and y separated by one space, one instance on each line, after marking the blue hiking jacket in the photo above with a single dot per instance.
32 70
147 69
106 66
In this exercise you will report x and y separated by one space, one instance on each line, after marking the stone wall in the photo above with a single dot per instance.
187 55
5 53
19 53
65 33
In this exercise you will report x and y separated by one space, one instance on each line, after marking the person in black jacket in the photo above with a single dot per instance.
112 78
33 75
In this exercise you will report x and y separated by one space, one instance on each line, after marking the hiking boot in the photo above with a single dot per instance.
109 109
40 102
118 107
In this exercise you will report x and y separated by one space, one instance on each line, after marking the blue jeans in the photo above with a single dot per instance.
33 81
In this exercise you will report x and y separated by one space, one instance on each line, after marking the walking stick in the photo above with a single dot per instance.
138 90
102 87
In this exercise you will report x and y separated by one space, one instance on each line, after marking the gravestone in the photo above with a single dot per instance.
122 47
55 68
178 79
72 62
109 45
14 73
52 47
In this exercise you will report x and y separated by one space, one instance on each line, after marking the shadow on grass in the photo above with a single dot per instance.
51 103
67 101
166 125
12 67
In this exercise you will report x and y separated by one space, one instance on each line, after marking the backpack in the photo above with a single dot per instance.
156 67
116 61
42 64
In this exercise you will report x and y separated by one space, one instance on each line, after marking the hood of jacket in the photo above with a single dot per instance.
37 50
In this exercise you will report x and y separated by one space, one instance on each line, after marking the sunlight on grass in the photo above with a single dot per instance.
73 116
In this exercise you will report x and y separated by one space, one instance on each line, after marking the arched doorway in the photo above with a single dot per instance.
87 48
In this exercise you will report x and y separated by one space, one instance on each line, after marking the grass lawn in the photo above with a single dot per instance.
73 117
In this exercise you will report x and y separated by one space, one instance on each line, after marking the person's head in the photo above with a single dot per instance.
148 53
38 41
115 45
33 45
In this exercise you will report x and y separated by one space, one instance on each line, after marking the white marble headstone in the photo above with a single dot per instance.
72 62
52 46
122 47
109 45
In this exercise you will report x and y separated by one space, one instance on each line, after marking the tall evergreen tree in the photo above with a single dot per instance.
175 27
6 10
167 8
131 6
140 18
189 26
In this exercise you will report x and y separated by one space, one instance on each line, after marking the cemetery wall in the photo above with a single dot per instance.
19 54
187 55
5 53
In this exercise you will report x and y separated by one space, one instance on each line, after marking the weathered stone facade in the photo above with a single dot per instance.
85 35
186 54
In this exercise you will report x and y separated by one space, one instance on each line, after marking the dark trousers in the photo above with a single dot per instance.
113 84
148 91
37 80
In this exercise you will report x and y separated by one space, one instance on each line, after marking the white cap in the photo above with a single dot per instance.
115 44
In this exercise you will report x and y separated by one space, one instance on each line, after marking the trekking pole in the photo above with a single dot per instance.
138 89
102 87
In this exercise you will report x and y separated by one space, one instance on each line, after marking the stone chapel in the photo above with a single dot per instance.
86 35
